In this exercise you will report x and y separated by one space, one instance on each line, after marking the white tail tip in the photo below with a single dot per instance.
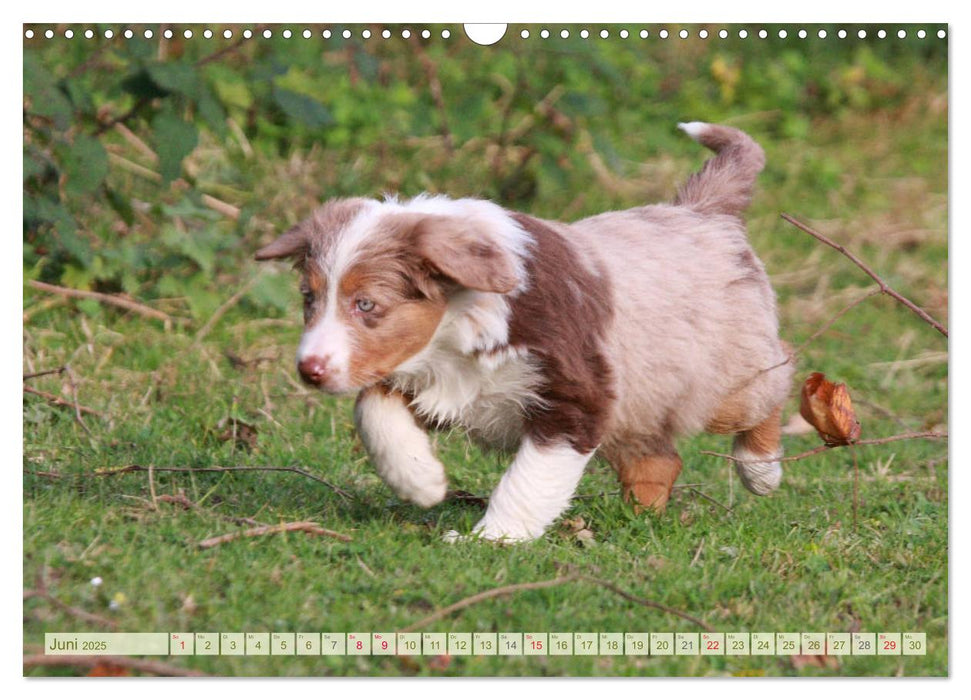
693 129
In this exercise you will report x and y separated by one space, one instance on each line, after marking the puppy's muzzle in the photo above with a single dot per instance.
314 371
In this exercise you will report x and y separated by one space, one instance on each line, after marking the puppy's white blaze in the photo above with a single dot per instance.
330 340
693 129
761 473
399 449
533 492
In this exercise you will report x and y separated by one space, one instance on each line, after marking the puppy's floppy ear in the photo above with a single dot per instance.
459 252
295 243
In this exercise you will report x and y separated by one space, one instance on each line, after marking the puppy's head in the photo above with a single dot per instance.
377 279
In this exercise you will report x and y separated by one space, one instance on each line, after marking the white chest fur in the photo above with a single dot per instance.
468 375
487 393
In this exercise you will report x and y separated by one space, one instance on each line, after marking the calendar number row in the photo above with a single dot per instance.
491 643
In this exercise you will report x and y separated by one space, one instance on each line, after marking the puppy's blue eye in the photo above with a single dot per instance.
365 305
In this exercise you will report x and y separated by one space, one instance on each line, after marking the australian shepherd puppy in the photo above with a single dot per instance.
617 333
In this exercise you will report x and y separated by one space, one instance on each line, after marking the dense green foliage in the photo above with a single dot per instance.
154 168
517 123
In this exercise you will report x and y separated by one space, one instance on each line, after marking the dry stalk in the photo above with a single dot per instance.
112 299
131 468
58 401
884 287
928 435
549 583
303 526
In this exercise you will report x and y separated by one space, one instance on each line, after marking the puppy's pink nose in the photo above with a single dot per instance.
313 370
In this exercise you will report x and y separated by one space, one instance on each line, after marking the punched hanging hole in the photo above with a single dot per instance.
485 34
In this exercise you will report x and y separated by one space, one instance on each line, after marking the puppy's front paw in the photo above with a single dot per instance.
426 488
483 534
453 536
493 531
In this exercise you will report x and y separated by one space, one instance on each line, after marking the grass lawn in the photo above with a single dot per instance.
220 390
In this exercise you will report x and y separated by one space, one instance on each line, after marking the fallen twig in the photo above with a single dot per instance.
304 526
74 400
41 592
223 308
156 668
488 595
113 299
710 499
44 373
537 585
649 603
929 435
230 211
828 324
128 469
884 287
58 401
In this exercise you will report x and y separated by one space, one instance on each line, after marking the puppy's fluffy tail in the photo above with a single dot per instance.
724 185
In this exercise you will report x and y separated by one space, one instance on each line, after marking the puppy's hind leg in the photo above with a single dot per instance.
759 451
398 447
647 474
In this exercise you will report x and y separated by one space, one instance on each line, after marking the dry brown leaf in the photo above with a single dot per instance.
828 408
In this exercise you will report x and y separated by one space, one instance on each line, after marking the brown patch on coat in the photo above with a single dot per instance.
408 305
562 319
764 438
733 414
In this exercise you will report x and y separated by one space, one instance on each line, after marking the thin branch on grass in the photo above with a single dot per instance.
43 593
112 299
180 499
230 211
156 668
929 435
44 373
649 603
58 401
884 287
856 489
295 470
45 475
303 526
134 168
490 594
224 307
794 352
829 324
121 119
74 398
697 556
710 499
550 583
